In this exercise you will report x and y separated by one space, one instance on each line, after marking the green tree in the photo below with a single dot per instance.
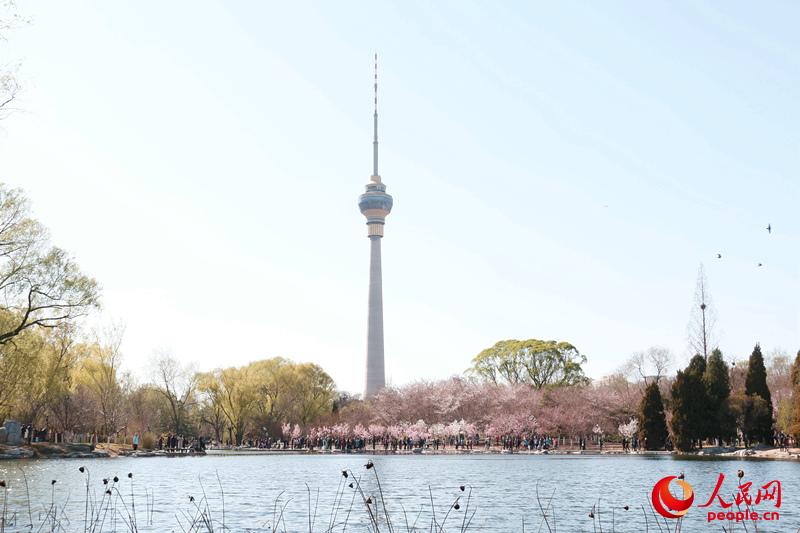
653 429
272 378
750 412
53 363
721 425
697 365
40 285
233 392
756 384
16 371
312 393
794 429
689 405
784 415
534 362
41 289
99 374
264 394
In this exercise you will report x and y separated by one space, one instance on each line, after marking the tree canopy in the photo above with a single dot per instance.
265 394
756 381
759 416
689 405
653 427
42 292
533 362
40 285
720 424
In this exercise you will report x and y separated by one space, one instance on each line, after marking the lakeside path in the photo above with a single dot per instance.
84 451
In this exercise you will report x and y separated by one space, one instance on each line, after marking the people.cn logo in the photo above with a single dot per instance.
668 505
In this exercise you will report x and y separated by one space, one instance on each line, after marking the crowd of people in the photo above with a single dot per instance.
178 443
388 443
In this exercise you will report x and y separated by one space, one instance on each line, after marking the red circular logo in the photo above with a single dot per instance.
668 505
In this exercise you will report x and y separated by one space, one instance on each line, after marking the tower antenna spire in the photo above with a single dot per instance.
375 125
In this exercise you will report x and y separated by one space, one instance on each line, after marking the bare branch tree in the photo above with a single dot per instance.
702 338
9 86
177 384
652 364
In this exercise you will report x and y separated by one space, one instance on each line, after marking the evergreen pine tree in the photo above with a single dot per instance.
689 405
681 430
653 428
697 365
721 424
756 384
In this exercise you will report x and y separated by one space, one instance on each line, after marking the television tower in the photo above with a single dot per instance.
375 204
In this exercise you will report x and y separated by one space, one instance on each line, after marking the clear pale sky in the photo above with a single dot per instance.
559 171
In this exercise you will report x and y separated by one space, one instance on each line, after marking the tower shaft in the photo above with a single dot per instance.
375 379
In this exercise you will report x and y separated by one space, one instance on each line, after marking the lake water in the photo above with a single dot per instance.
503 491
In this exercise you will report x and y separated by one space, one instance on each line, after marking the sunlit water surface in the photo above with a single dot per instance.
503 491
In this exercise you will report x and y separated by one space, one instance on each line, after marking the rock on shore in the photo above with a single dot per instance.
50 451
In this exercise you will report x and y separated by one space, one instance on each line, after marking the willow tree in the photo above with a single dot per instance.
272 378
40 284
312 393
233 391
53 362
291 392
17 374
265 394
41 288
534 362
100 375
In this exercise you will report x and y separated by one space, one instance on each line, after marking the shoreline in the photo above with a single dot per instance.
88 451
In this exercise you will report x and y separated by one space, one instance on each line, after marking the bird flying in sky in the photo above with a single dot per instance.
769 228
719 256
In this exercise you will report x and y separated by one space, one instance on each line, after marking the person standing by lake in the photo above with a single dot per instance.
135 441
